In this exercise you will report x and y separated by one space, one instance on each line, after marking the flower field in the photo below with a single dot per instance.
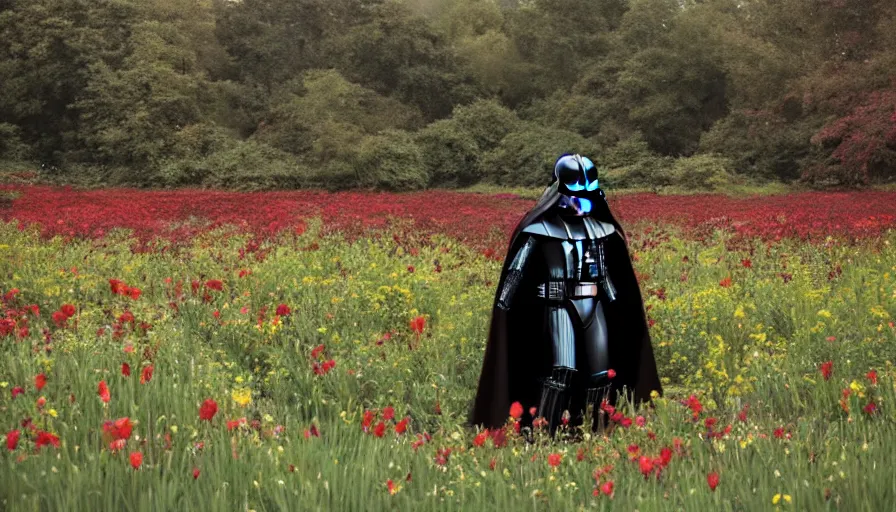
306 351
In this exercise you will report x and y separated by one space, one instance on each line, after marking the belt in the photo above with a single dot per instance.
560 290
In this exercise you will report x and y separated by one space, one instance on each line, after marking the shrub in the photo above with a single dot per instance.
702 172
450 154
760 144
631 164
11 146
391 161
862 143
486 121
247 165
526 157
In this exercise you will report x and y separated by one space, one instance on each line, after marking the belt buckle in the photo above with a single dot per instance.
585 290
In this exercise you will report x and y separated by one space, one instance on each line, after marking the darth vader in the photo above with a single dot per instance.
568 327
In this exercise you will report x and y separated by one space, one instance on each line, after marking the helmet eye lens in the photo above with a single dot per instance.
568 175
591 174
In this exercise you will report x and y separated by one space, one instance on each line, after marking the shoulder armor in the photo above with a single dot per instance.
554 227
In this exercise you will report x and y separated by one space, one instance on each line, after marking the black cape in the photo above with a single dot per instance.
518 355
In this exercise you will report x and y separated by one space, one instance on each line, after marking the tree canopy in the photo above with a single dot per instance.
401 94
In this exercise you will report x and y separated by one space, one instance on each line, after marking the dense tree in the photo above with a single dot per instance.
414 93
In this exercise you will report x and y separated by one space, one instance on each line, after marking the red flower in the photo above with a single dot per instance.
103 391
747 263
12 439
742 415
391 486
146 374
16 391
826 369
607 488
117 445
640 421
418 324
872 376
380 429
388 413
118 287
725 283
208 409
611 373
313 431
665 456
555 459
871 408
694 405
402 425
712 480
40 381
516 410
46 438
136 459
214 284
779 432
120 429
41 402
68 310
283 310
480 438
368 419
645 464
317 351
126 369
134 293
195 473
499 438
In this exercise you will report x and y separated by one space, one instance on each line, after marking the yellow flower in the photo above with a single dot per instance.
825 313
739 312
52 412
777 498
242 396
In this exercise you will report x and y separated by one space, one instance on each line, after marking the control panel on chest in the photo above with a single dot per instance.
577 242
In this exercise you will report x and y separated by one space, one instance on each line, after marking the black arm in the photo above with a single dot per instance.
515 273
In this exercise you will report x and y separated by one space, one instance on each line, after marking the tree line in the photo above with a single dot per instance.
413 94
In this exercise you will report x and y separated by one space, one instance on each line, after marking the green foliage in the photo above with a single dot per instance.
101 90
323 115
526 157
453 148
702 172
632 164
391 161
244 165
760 144
450 153
11 145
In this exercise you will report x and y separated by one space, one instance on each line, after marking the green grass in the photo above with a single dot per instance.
758 342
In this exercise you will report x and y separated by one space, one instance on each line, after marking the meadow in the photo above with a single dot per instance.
192 349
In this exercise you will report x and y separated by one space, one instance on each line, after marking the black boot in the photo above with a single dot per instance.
598 393
555 397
